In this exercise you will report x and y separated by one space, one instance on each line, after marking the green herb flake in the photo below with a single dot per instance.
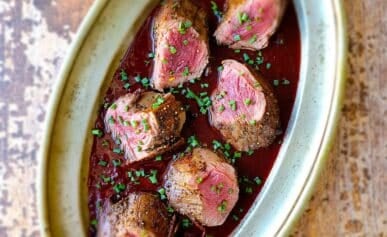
253 122
268 66
247 101
199 180
237 154
186 71
276 82
222 206
220 68
237 51
158 158
253 39
94 222
186 223
185 42
285 82
249 190
243 17
233 105
116 163
221 108
97 132
172 49
151 55
257 181
162 194
124 75
153 177
119 187
217 145
237 37
216 10
102 163
235 217
193 142
250 152
117 150
159 101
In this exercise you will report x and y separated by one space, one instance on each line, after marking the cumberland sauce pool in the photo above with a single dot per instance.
111 178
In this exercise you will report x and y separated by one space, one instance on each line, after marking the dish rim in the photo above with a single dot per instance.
66 68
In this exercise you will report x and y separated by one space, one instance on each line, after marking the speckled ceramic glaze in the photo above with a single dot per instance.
103 37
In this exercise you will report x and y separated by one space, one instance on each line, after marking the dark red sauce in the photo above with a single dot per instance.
281 66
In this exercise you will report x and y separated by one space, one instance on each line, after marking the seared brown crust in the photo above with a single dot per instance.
138 213
170 117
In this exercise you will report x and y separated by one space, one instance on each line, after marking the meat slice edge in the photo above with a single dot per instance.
250 24
202 186
244 108
181 44
147 124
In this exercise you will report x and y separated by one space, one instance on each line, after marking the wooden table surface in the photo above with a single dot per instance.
351 196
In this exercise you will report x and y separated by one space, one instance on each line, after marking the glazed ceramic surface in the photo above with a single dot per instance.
102 40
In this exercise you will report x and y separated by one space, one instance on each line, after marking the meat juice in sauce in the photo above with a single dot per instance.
280 69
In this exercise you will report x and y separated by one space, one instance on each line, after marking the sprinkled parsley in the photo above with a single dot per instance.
97 132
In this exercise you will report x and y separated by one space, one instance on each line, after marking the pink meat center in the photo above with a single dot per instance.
242 99
219 194
181 55
261 16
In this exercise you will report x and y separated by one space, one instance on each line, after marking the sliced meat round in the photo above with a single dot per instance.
249 24
139 214
181 44
147 124
202 186
244 108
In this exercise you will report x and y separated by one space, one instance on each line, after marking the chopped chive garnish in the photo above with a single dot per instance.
247 101
186 223
221 108
124 76
199 180
97 132
268 65
172 49
161 192
250 152
119 187
243 17
151 55
253 122
257 181
186 71
222 206
249 190
237 37
192 141
285 82
159 101
158 158
276 82
153 177
116 163
217 145
102 163
253 39
117 150
233 105
216 10
227 146
185 42
220 68
94 222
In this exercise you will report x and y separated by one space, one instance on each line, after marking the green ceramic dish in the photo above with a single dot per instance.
102 39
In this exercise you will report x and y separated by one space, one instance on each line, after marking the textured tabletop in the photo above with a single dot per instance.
351 195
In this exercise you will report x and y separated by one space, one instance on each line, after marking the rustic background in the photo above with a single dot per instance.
351 196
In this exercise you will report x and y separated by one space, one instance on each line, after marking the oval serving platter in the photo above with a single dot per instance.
102 40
